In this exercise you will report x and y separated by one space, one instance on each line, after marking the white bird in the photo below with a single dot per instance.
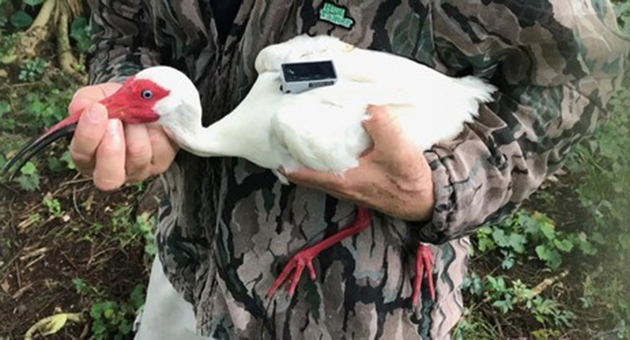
320 129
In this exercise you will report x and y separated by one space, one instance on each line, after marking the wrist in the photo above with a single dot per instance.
423 203
416 199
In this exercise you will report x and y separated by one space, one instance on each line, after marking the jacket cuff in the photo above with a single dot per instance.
435 230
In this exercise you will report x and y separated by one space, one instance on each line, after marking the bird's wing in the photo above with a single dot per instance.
322 129
440 113
320 134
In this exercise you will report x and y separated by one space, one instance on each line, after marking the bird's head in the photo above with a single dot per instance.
151 95
156 94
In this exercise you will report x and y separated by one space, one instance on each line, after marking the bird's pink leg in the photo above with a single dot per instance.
305 257
424 260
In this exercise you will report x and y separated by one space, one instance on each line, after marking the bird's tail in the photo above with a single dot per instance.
478 89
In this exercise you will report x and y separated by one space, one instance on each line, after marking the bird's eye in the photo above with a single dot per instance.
147 94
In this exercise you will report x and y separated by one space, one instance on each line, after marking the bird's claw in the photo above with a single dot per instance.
424 260
300 260
305 257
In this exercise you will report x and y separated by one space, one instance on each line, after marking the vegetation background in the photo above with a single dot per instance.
74 262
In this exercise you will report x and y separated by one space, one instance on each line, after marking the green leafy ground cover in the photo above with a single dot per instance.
556 269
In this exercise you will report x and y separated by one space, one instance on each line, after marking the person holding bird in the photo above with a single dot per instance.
227 227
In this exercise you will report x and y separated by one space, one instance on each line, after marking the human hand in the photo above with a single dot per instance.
393 176
113 154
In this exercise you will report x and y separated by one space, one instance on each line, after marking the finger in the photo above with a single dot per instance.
344 187
316 178
79 104
350 196
87 136
89 95
138 152
164 149
109 173
383 128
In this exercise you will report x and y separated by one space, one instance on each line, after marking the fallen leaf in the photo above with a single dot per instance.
8 59
52 324
5 286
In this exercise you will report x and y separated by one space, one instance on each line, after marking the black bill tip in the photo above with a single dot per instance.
34 147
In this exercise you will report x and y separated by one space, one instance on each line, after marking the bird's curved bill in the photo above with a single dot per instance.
64 128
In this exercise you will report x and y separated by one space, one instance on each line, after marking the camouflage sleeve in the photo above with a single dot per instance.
556 64
121 40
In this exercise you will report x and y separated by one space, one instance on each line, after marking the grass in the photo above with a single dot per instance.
558 267
569 244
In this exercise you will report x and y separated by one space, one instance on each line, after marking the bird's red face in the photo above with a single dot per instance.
135 101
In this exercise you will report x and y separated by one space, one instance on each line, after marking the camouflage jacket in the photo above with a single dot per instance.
226 227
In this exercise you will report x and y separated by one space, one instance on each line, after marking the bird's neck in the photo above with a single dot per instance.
244 132
186 129
220 139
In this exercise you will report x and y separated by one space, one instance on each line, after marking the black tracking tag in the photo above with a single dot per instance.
299 77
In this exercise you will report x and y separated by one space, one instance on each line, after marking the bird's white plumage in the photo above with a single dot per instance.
322 128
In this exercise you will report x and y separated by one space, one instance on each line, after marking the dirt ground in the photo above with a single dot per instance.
40 257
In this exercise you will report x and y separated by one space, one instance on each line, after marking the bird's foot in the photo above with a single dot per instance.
300 260
424 260
305 257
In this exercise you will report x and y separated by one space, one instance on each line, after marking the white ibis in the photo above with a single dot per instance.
319 129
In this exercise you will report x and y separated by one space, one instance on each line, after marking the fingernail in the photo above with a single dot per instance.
96 114
114 126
